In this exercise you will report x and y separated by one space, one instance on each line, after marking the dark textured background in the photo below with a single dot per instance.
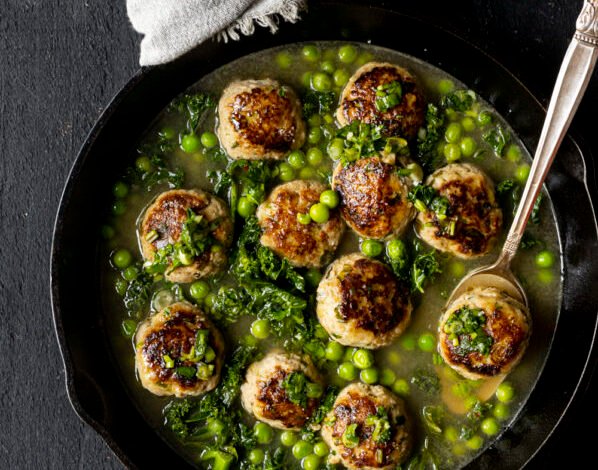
60 63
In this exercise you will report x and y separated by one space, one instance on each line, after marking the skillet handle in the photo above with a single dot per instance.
569 89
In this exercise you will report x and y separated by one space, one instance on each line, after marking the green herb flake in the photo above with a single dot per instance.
465 330
350 439
295 386
380 422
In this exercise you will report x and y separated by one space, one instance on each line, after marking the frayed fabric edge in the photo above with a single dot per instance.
246 26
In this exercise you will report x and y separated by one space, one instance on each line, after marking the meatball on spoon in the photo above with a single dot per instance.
571 84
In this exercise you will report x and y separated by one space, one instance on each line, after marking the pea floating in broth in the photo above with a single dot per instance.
263 296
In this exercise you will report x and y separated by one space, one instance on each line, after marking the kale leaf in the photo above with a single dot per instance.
459 100
315 102
193 107
497 138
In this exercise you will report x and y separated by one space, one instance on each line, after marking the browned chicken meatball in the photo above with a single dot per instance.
259 119
383 94
373 198
178 352
367 429
162 225
275 390
472 220
361 303
484 332
304 245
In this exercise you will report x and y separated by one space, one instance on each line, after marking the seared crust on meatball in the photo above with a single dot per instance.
166 354
373 198
166 216
259 119
357 407
304 245
473 218
358 100
360 303
503 329
264 395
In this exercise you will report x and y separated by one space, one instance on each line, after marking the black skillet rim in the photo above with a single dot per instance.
293 34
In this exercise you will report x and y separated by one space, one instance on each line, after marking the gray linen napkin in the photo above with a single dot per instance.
173 27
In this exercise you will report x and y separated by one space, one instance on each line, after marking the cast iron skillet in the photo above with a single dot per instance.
95 389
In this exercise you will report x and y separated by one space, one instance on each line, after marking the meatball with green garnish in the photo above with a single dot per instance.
184 235
483 333
367 428
179 352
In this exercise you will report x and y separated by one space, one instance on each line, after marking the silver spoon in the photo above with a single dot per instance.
570 86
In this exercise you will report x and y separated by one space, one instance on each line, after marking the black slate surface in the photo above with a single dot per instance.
60 63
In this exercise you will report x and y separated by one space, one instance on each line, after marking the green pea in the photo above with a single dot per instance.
199 290
327 66
286 172
334 351
505 392
401 387
210 300
310 462
319 213
340 77
307 173
336 147
459 449
544 259
501 411
315 120
288 438
284 60
347 54
451 434
122 258
513 153
120 189
452 152
296 159
408 342
209 140
468 123
119 207
306 79
320 332
363 358
394 358
310 53
246 207
369 375
167 133
130 273
260 329
484 118
475 443
313 276
190 143
314 156
395 249
304 219
522 172
347 371
330 198
457 269
314 390
128 327
302 449
490 427
453 132
107 232
387 377
445 86
314 135
144 164
371 248
120 286
256 456
263 433
321 81
426 342
468 146
321 449
348 356
545 276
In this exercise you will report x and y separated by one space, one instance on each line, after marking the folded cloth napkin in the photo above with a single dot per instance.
173 27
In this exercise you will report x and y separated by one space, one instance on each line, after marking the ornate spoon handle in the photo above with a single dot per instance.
569 89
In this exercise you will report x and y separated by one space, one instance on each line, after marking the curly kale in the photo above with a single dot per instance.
193 107
316 102
459 100
428 140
